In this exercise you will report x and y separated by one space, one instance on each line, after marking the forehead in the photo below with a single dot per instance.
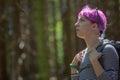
82 17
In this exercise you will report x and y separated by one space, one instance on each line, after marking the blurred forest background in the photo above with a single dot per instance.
38 39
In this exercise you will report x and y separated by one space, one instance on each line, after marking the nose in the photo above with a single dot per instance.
76 24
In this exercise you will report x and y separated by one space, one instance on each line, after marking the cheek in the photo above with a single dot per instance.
85 27
85 24
87 30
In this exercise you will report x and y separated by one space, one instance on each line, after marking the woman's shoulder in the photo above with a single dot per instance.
110 50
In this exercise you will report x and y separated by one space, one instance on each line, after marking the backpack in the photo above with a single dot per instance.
116 45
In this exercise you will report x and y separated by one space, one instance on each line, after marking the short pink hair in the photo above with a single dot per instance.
95 16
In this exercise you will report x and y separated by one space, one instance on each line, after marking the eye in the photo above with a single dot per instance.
82 19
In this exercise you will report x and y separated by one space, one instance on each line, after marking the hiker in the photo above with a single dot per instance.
89 64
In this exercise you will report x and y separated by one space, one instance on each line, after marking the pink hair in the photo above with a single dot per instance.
95 16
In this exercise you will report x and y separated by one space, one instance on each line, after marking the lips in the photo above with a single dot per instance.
77 29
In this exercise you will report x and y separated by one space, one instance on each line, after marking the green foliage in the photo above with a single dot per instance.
59 37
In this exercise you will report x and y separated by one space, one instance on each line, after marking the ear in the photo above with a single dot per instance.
95 28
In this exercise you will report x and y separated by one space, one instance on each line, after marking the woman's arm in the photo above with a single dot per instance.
74 74
74 65
97 67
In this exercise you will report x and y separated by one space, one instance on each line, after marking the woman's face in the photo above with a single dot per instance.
83 27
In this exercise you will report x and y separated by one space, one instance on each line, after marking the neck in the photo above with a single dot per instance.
91 42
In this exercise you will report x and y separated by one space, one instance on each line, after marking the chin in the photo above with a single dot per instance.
80 36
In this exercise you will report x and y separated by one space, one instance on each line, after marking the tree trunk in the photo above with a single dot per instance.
28 54
66 19
113 17
41 24
3 72
13 36
3 33
52 41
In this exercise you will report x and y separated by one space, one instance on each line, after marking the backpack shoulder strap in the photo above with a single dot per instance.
100 48
103 43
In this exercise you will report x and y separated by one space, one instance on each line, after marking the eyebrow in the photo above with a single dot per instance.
81 18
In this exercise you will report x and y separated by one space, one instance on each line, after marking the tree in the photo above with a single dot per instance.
3 29
41 24
112 11
27 68
52 40
67 42
12 38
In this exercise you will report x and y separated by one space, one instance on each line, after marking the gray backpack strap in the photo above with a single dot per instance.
101 46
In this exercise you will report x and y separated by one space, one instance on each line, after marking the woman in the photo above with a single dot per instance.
90 64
